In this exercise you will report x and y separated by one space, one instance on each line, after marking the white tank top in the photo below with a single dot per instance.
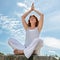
31 34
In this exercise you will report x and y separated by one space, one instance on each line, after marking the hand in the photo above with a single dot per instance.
32 7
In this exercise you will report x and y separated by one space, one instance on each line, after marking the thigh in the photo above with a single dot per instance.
15 44
39 46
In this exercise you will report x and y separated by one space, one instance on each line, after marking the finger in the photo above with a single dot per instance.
32 4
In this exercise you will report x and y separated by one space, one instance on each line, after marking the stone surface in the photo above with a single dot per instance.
22 57
15 57
43 58
1 57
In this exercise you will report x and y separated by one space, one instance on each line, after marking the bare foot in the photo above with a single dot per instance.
18 51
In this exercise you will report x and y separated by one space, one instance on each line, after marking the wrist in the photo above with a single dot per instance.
35 10
31 10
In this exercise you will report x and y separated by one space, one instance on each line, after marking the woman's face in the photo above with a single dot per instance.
32 20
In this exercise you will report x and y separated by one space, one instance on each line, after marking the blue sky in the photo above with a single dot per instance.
11 25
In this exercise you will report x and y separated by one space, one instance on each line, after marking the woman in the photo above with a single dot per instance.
32 43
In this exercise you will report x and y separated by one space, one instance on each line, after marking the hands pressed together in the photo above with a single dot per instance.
32 7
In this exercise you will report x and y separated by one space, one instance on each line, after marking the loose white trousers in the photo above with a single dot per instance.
35 45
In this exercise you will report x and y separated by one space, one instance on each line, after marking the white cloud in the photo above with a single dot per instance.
52 42
44 6
14 27
8 23
22 4
18 14
52 51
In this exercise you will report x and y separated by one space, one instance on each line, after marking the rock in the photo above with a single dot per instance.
15 57
22 57
43 58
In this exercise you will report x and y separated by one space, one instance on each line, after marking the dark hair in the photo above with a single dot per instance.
29 24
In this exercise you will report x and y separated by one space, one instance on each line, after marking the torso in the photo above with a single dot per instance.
31 34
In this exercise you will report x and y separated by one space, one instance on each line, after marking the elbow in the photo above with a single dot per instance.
23 17
42 15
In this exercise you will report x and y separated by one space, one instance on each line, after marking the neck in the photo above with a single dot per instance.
32 26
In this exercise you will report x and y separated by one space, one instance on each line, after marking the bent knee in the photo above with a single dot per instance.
9 41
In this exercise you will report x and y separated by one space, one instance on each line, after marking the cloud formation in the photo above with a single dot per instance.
52 42
21 5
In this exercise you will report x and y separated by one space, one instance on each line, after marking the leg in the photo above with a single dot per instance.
29 50
38 47
17 47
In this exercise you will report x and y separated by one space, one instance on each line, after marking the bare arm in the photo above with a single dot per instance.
24 16
23 20
40 25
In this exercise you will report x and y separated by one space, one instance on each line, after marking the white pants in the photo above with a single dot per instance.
35 45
